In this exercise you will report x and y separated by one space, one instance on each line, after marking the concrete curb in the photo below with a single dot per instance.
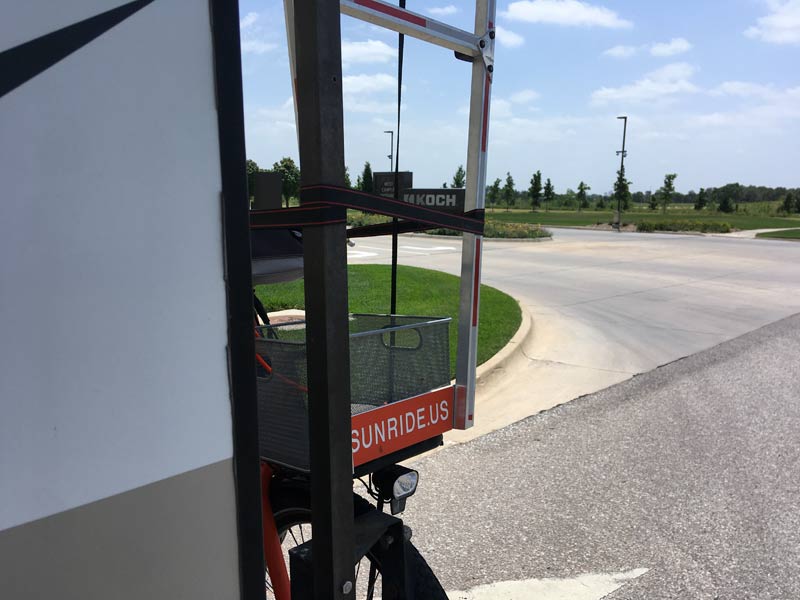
510 351
458 237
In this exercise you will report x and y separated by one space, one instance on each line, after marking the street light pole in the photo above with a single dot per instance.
390 156
621 154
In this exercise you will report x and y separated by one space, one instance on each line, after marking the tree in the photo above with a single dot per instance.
535 190
583 202
568 199
290 178
460 178
494 193
366 179
701 201
347 181
652 200
601 203
508 191
622 193
252 169
788 206
666 191
729 195
549 194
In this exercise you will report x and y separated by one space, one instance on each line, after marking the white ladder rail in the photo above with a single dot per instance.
412 24
479 46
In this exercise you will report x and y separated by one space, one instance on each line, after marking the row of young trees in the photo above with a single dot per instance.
725 199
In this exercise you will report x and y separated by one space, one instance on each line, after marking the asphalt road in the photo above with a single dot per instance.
687 479
679 482
608 306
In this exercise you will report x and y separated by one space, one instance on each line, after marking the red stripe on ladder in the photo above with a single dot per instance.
476 283
393 12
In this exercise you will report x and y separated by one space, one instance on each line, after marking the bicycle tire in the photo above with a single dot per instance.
291 505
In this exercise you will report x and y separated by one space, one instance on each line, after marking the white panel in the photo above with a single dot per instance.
28 19
113 371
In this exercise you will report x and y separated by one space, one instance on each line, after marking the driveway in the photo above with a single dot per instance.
682 481
607 306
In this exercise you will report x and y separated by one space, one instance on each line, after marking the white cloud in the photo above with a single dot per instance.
565 12
443 11
507 38
501 109
671 48
278 114
358 105
257 46
745 89
524 96
252 42
780 26
368 84
248 20
358 93
371 51
621 51
658 85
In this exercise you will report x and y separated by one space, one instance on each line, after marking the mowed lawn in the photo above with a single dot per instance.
787 234
420 292
592 217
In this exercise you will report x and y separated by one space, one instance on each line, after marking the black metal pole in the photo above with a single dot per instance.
400 44
390 156
321 139
621 169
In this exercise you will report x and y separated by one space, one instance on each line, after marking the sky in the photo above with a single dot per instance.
711 89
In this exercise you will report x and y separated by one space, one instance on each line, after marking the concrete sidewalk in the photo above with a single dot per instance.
517 382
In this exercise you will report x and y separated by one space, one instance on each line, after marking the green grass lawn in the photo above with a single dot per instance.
590 217
788 234
421 292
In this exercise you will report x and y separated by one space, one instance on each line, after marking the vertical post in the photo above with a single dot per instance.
618 216
471 249
321 136
238 280
390 156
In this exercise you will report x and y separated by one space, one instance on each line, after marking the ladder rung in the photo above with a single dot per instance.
412 24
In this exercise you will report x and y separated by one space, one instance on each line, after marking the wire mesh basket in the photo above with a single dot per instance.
392 357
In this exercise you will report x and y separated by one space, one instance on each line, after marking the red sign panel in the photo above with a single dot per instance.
393 427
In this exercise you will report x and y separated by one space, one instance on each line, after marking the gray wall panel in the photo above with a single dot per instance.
169 539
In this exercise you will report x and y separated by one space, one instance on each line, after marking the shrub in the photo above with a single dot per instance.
498 229
492 229
702 226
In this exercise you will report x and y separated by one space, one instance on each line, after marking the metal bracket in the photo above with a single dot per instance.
376 533
486 48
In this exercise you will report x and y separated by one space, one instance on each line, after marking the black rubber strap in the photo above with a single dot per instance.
385 229
471 222
297 217
326 205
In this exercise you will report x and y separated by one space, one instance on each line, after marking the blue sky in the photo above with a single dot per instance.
711 89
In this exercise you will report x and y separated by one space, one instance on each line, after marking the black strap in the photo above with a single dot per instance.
471 222
297 217
326 205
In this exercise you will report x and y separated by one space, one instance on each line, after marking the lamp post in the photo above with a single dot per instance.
621 153
390 156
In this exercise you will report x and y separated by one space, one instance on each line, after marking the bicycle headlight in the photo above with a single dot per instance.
405 485
396 484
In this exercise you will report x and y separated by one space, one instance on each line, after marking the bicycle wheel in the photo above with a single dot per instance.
291 507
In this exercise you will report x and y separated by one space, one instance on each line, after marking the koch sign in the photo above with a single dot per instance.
395 426
446 200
